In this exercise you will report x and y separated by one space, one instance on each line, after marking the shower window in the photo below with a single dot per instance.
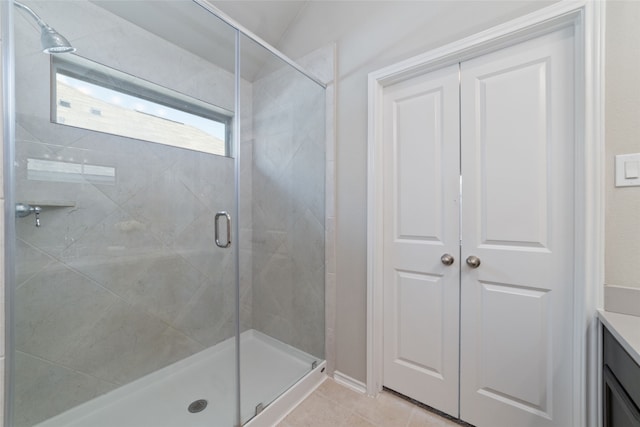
95 97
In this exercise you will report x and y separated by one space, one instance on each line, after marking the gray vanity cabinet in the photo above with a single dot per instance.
621 385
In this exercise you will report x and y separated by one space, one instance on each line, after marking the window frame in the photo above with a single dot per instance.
80 68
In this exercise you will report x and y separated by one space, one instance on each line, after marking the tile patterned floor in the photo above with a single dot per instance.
333 405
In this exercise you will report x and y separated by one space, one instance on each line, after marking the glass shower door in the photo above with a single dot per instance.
282 223
124 309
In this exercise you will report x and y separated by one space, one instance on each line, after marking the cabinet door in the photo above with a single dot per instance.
421 224
619 409
517 139
621 380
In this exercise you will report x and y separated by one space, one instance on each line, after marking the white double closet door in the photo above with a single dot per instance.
479 165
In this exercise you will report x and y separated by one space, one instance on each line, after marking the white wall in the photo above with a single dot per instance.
370 35
622 228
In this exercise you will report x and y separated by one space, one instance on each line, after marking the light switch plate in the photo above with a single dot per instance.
627 165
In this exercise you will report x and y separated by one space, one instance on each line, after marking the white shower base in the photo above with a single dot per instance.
160 399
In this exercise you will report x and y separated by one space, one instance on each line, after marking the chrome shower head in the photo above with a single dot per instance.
54 42
51 40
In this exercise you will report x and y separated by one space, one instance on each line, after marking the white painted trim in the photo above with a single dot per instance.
278 410
587 18
559 14
350 382
598 368
589 279
375 232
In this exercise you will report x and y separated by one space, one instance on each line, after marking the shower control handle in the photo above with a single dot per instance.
24 210
36 212
217 229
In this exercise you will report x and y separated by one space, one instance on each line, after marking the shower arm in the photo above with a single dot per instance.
52 41
39 21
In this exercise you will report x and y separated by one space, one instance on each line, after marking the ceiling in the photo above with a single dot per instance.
185 24
268 19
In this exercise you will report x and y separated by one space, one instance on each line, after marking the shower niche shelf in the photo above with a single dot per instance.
51 203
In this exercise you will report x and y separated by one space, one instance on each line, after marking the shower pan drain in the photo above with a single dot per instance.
197 406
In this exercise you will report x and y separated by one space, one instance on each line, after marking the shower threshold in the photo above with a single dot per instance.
163 398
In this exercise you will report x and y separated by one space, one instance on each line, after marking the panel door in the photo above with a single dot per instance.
421 224
517 142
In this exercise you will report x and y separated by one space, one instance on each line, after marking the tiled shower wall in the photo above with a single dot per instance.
322 63
121 279
289 208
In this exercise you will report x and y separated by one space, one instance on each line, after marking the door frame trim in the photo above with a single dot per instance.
587 19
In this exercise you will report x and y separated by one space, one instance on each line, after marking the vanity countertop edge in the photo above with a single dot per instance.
626 329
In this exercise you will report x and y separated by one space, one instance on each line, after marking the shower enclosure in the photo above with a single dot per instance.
165 218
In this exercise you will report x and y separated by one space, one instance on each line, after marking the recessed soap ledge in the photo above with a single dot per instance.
25 209
52 203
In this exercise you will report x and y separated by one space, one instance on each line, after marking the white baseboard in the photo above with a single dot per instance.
349 382
619 299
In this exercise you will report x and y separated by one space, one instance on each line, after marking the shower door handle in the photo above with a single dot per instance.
217 229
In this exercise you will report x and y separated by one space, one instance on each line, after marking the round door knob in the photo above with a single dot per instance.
447 259
473 261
